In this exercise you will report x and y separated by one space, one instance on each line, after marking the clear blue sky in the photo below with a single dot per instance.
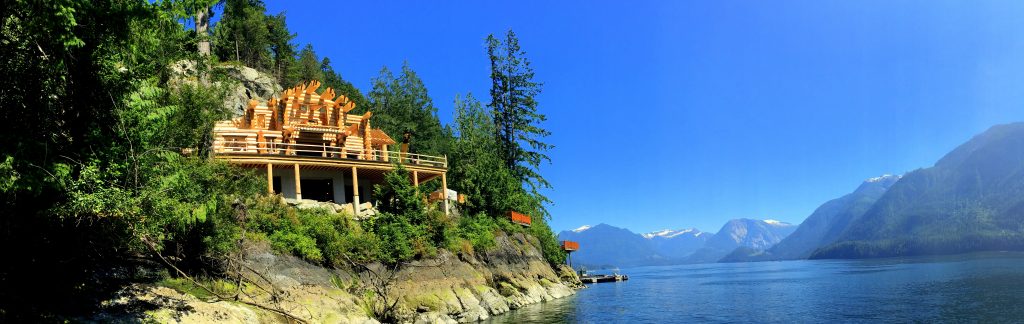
689 113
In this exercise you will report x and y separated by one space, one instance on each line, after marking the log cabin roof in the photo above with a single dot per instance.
379 137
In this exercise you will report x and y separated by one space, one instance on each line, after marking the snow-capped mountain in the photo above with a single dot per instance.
603 245
677 244
606 245
743 232
668 233
581 228
824 226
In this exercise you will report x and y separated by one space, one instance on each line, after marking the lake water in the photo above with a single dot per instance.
986 287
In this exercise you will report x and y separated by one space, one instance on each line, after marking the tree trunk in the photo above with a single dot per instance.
202 27
203 43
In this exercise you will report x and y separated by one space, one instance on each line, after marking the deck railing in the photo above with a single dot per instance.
325 151
519 218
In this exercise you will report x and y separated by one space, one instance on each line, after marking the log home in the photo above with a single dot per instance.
311 147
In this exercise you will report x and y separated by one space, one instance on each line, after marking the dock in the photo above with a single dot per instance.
603 278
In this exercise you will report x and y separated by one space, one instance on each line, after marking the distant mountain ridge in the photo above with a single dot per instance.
677 244
746 233
604 245
823 226
970 200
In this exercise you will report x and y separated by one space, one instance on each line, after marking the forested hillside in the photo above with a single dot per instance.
823 226
969 201
105 175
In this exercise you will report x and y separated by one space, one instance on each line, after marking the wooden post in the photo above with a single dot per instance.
384 150
415 178
355 191
298 187
270 178
444 193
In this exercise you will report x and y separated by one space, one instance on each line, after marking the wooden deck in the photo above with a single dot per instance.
371 168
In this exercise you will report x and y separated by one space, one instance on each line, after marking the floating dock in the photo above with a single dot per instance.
586 278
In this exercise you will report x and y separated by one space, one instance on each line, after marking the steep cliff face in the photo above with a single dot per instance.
449 288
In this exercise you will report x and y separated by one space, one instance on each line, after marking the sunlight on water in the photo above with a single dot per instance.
976 288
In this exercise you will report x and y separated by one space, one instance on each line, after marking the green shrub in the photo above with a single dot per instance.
298 244
478 230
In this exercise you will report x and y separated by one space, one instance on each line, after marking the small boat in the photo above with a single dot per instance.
596 278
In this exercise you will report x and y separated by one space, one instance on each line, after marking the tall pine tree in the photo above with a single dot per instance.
307 67
282 50
517 123
242 34
402 104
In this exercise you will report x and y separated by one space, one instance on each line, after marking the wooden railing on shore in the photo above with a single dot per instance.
519 218
570 246
325 151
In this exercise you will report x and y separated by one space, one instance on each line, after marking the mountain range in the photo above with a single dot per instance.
743 233
823 226
972 199
604 245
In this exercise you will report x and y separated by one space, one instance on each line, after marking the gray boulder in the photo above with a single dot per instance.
252 84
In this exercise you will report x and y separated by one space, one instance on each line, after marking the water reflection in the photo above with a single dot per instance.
987 287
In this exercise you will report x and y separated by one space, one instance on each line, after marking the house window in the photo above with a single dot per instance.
318 189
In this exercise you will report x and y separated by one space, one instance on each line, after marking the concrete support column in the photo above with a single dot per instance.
355 191
298 186
444 192
270 178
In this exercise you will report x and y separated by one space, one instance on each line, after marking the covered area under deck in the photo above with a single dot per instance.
341 181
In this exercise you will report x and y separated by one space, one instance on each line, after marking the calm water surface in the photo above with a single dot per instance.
985 287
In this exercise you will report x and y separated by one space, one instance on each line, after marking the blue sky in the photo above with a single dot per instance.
683 114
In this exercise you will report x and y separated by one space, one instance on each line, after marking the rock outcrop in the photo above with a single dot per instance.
245 83
252 84
449 288
474 288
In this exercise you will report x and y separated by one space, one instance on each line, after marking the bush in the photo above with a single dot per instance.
477 230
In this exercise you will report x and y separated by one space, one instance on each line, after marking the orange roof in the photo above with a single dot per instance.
379 137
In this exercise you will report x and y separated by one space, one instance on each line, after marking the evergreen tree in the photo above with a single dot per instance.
475 166
307 67
242 34
402 104
281 48
517 123
342 87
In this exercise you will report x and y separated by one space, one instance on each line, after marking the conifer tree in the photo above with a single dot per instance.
517 122
281 48
402 104
242 34
341 86
307 67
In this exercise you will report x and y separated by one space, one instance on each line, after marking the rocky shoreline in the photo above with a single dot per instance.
450 288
